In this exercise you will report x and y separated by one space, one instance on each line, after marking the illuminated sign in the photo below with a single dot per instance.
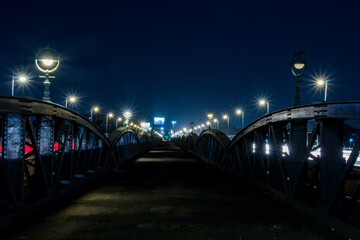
145 125
159 121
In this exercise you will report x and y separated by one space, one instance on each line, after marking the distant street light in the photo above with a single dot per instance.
20 78
239 112
210 117
226 117
94 109
119 119
70 100
263 102
298 68
321 83
127 115
109 115
47 60
173 123
217 123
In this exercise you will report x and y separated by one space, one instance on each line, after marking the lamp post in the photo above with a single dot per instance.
217 123
226 117
93 110
127 116
47 61
109 115
298 68
119 119
262 102
173 123
20 78
210 117
323 83
70 99
239 112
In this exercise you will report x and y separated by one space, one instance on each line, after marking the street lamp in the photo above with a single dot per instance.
94 109
298 68
70 100
109 115
263 102
20 78
119 119
226 117
173 123
127 115
47 60
210 117
239 112
217 123
321 83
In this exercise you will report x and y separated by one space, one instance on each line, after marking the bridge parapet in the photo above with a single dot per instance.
297 154
46 148
126 143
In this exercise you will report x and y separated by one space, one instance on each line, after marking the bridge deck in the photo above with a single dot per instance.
167 194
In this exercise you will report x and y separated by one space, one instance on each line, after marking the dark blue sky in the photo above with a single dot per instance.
179 59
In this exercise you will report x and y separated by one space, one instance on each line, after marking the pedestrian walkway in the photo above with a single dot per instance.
167 194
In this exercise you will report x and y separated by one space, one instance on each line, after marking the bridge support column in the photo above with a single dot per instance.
297 149
13 157
46 147
332 162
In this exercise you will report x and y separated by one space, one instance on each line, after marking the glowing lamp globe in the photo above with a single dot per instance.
22 78
47 60
127 114
320 82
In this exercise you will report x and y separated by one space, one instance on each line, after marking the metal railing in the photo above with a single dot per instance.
45 147
275 153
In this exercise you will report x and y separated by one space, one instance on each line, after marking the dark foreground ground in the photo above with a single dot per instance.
169 195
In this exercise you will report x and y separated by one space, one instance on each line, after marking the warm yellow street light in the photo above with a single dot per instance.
263 102
119 119
20 78
94 109
109 115
239 112
226 117
323 83
70 99
210 117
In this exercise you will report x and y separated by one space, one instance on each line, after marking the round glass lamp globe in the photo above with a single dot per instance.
47 60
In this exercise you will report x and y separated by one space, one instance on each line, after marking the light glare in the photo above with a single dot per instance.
48 62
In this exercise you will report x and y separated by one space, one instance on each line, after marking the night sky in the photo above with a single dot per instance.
180 59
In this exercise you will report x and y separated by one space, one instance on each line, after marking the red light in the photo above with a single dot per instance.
56 146
28 149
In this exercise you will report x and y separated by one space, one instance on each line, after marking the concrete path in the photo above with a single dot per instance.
167 194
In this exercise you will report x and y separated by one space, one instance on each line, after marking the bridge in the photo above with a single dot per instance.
48 152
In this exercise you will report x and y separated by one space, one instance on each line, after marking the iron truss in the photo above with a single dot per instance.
297 154
46 147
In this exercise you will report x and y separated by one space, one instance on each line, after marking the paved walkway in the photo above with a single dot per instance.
167 194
